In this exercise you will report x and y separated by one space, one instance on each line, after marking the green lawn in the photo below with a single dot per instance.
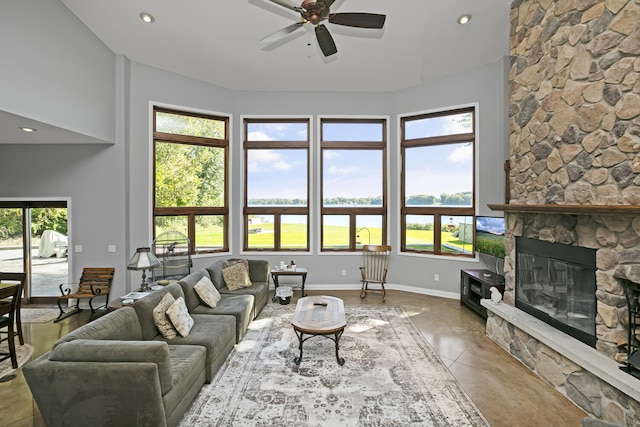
294 236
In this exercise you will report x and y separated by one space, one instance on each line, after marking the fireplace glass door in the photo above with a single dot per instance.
556 283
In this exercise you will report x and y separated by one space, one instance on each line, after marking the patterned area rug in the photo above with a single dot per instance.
23 353
391 377
38 315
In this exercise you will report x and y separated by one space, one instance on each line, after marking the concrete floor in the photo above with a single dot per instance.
504 390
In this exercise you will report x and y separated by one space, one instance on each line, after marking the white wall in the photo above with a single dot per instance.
110 186
54 70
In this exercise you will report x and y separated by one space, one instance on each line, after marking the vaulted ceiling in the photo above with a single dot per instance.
219 41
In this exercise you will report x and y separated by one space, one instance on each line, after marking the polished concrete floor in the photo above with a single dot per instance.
504 390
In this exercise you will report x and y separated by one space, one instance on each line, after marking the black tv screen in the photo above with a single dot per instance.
490 236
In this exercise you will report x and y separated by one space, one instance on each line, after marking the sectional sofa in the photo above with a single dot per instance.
120 370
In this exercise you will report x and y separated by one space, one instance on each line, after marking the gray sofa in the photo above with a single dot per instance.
244 304
119 370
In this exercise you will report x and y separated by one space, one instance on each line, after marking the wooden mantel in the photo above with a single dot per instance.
624 210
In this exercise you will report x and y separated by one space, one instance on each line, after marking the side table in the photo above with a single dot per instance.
299 271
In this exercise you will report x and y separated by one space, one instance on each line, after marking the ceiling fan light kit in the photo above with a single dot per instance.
315 12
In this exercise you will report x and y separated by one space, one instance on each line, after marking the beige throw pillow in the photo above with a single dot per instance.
180 317
207 292
160 317
231 262
236 276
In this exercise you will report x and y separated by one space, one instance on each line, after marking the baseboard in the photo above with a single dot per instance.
388 286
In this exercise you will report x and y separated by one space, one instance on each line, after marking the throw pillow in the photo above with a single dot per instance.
160 317
236 276
207 292
230 262
180 317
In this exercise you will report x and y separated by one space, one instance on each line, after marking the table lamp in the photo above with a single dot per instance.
143 260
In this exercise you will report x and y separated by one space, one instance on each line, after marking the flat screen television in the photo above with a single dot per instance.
490 236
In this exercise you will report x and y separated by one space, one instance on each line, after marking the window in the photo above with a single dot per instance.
437 182
354 207
276 207
190 178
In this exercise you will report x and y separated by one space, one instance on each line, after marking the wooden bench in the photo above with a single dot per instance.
94 283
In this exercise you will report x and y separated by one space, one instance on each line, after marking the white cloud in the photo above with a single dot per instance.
462 154
258 136
266 160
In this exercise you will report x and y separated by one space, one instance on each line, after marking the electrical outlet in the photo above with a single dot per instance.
344 272
436 277
77 248
111 248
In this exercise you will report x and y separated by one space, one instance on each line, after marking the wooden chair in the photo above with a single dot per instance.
376 264
10 296
16 278
94 283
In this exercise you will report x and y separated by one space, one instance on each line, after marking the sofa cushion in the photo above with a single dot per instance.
216 333
180 317
238 306
118 351
161 319
187 369
121 324
191 298
215 270
144 309
236 276
215 273
207 292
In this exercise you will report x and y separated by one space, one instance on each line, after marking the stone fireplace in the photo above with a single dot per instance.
574 179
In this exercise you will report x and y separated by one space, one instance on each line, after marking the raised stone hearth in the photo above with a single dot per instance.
587 377
574 119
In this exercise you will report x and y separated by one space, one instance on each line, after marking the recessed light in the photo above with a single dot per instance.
464 19
26 129
147 17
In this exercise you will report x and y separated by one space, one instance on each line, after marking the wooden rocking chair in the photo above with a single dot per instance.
376 264
94 283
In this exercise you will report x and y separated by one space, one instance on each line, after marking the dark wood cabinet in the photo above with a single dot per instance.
475 285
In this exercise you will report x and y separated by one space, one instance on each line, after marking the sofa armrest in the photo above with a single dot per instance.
96 393
156 352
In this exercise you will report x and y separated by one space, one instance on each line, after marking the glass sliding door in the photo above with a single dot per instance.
33 239
11 240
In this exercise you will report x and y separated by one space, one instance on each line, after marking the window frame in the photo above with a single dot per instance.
354 212
437 212
192 211
276 211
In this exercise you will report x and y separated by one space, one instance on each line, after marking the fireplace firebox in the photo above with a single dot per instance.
557 284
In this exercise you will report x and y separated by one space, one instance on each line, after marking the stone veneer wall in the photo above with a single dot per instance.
575 102
574 119
575 135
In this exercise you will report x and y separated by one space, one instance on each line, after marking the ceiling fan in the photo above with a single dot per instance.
314 12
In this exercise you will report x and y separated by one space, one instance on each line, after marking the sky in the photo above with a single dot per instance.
431 171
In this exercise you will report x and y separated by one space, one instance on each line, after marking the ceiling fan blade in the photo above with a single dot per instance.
289 5
327 3
327 45
282 33
360 20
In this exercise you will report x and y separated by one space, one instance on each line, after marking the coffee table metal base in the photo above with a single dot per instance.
333 336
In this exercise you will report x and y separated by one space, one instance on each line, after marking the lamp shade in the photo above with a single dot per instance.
143 259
